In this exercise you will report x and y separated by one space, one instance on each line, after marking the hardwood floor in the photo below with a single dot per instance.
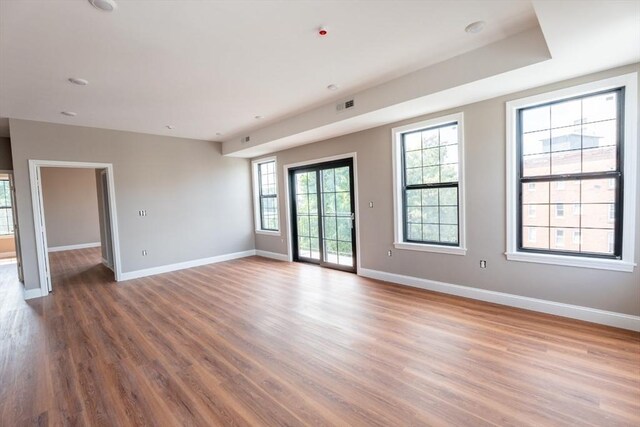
260 342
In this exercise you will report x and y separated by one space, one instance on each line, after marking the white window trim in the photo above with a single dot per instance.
256 196
396 151
626 263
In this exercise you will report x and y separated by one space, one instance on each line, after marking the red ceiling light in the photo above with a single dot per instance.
322 31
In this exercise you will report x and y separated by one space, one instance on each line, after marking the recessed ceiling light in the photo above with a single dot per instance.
105 5
69 113
475 27
333 87
79 82
170 127
258 117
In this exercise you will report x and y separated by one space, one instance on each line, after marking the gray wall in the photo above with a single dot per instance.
5 154
197 201
70 206
486 218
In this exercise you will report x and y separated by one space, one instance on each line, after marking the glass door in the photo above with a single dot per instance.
324 214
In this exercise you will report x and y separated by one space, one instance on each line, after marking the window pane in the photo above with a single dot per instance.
567 138
535 119
449 173
535 192
413 159
430 138
566 162
430 233
449 154
431 157
597 241
599 159
414 197
413 141
535 215
449 134
430 215
449 215
600 134
343 179
535 238
448 196
599 107
566 113
536 165
449 233
430 197
599 191
536 142
565 191
328 181
601 215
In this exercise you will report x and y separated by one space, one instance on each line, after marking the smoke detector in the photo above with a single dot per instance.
104 5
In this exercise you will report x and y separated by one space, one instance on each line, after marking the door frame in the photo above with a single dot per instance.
35 166
287 192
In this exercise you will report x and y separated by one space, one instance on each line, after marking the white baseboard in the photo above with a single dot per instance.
31 293
272 255
182 265
610 318
74 247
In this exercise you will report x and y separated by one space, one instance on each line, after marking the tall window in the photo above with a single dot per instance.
266 195
571 149
428 185
6 216
571 145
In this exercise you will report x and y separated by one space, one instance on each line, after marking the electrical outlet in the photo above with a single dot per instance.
483 264
389 253
144 252
142 212
370 204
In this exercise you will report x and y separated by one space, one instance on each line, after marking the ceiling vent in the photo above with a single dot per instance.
345 105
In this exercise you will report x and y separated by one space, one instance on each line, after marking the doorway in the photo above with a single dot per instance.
103 184
323 216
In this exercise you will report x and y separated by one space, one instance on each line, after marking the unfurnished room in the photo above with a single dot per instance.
319 212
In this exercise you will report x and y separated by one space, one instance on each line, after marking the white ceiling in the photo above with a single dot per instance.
211 66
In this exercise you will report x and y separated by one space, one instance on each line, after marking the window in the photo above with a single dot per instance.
532 211
576 146
559 238
265 185
532 235
428 186
532 186
576 237
6 215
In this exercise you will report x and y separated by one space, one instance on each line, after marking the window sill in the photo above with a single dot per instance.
569 261
451 250
268 233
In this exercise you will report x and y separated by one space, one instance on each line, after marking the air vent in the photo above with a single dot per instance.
245 139
345 105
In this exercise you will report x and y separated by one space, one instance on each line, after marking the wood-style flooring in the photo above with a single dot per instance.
266 343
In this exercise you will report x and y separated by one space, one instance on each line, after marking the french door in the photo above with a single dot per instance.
323 214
